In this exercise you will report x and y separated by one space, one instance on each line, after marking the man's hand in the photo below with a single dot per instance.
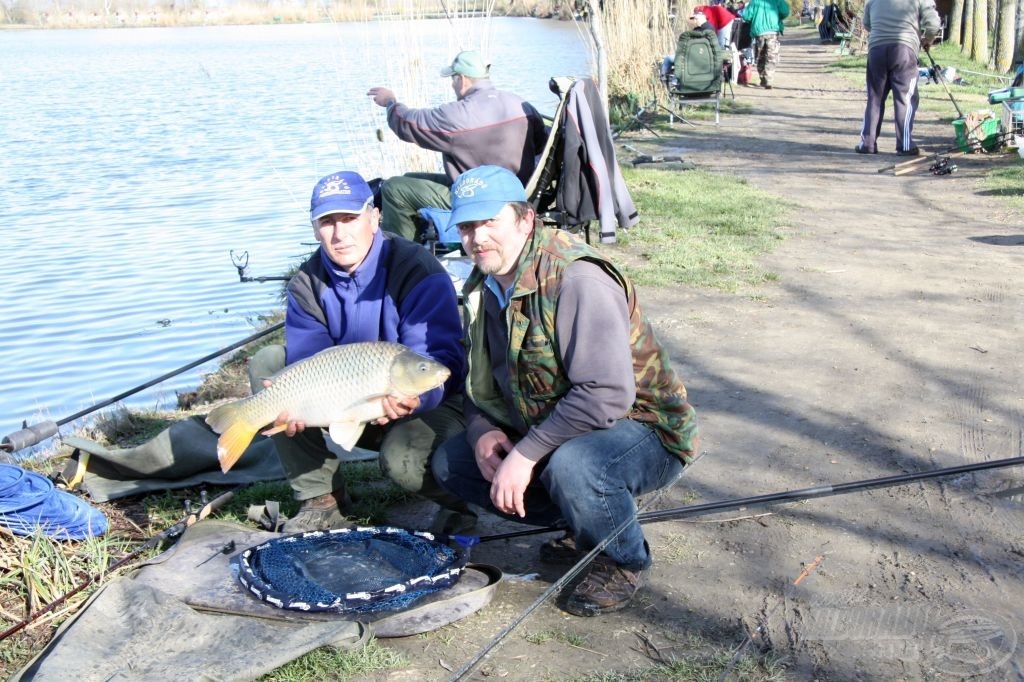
489 450
396 407
382 97
510 483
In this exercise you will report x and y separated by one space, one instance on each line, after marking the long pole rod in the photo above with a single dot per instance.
36 433
788 496
698 509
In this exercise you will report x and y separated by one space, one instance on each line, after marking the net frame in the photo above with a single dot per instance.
390 597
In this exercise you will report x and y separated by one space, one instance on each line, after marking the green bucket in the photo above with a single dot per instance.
987 132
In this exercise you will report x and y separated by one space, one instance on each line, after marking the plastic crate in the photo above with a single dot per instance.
986 132
1013 117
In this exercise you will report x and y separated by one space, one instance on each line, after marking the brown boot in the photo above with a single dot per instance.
321 513
561 550
608 587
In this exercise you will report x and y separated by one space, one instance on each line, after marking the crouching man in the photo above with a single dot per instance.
572 408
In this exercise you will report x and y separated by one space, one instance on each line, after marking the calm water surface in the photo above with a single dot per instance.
132 161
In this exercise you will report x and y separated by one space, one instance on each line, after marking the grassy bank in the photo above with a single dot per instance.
697 230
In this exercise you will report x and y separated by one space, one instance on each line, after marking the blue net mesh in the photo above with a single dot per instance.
351 570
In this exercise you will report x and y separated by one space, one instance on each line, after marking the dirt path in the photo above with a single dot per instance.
889 344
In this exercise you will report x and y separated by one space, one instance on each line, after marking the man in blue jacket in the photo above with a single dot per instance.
484 126
363 284
765 19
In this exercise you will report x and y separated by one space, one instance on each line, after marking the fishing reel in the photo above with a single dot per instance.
943 167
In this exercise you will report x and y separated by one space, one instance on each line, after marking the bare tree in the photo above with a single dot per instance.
968 29
979 44
1005 36
956 22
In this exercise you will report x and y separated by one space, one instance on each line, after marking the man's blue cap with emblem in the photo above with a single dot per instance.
481 193
343 192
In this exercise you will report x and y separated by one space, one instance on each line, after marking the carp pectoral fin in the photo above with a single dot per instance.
346 434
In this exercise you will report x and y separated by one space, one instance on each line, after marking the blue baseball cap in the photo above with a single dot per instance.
481 193
342 192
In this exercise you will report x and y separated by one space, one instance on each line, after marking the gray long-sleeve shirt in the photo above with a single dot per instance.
900 21
487 127
592 324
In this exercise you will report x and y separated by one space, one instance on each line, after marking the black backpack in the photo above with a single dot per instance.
698 65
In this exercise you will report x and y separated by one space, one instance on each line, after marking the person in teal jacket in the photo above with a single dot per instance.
765 19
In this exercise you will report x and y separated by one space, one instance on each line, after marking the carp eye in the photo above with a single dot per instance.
423 367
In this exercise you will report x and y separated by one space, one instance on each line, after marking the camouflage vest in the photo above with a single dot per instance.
537 381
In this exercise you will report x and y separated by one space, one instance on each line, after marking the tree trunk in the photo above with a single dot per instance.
1018 51
954 27
1006 36
968 29
979 45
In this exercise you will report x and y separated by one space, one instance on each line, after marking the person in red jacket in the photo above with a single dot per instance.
720 19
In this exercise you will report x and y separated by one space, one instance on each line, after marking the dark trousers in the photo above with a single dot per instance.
891 68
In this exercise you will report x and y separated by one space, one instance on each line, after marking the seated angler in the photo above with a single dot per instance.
483 126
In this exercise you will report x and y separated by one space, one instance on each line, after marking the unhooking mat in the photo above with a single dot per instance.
184 616
183 455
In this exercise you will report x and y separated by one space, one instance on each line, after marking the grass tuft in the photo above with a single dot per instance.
700 229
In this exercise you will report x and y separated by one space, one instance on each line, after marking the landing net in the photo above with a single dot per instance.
351 570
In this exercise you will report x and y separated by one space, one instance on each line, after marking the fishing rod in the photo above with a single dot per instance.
191 518
787 496
942 79
30 435
707 508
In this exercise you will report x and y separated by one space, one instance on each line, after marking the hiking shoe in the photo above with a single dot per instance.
320 513
864 150
608 587
913 151
561 550
766 86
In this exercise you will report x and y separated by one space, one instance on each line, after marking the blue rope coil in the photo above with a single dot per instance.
351 570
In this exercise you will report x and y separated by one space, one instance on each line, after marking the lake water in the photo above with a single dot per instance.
134 160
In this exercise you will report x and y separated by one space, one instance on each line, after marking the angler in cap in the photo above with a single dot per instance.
572 407
484 126
360 285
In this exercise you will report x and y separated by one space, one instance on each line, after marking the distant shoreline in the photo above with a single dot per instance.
242 14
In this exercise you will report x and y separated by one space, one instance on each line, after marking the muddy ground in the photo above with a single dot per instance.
889 344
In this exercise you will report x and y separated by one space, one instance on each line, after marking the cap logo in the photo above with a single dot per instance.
468 187
334 187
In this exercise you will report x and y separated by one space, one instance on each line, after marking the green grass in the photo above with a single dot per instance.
1008 183
337 664
971 95
699 229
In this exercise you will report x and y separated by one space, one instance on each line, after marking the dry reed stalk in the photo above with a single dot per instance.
631 53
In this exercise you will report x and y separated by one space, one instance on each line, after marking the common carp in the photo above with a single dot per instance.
339 388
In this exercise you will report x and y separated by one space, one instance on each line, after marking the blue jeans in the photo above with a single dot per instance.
588 484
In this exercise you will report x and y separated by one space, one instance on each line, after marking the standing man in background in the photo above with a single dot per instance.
765 19
896 28
483 126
